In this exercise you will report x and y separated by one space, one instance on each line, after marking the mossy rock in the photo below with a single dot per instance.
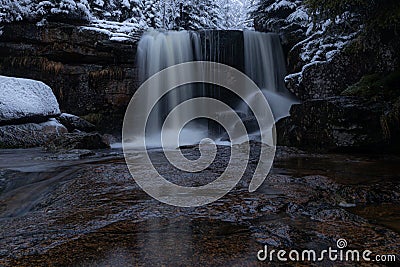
390 121
376 86
94 118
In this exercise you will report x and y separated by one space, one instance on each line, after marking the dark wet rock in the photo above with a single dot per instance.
251 124
72 141
285 152
362 195
91 76
189 147
384 214
337 123
30 134
95 214
230 45
334 214
320 182
112 139
73 154
3 179
327 78
75 123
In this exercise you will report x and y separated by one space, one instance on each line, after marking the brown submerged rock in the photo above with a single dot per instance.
80 140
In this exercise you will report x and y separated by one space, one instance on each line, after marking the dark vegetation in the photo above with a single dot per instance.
375 14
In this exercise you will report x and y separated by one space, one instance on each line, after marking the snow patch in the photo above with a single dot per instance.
55 124
279 5
300 15
24 98
116 31
69 115
119 39
297 78
95 29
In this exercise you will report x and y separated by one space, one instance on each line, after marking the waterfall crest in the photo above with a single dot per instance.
159 50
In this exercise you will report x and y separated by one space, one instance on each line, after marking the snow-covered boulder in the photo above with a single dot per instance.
26 100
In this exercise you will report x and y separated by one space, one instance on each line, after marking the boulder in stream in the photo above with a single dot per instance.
24 100
30 117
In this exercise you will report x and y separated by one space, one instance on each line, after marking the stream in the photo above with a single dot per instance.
84 209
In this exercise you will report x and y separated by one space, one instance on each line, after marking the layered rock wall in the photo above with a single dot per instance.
90 75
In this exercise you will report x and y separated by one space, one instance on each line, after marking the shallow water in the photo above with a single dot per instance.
387 214
344 169
84 209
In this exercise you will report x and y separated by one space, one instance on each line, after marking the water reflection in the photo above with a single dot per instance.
90 212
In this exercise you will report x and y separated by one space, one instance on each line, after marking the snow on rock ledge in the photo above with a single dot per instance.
26 100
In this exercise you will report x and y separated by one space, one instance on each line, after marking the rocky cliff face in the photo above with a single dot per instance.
90 75
330 77
95 77
329 121
340 124
323 60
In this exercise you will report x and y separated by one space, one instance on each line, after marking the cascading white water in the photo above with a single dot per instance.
264 60
265 65
160 50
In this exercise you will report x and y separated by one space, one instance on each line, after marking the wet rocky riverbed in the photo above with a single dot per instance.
83 208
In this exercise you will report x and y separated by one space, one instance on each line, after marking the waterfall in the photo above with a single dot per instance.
264 60
259 54
160 50
265 65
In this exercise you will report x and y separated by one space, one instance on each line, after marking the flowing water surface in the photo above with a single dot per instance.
84 209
